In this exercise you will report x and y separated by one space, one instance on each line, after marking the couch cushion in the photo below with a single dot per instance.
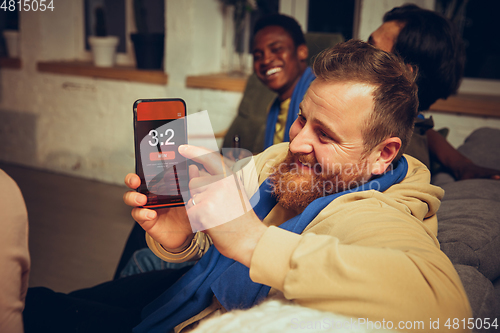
469 224
483 147
483 297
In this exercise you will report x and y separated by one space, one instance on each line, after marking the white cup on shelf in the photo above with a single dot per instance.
103 50
12 40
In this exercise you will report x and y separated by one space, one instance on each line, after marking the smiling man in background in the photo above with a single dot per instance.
280 62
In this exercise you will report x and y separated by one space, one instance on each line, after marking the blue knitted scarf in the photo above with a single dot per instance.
229 280
293 110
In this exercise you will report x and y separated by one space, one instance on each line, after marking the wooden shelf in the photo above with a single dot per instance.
219 81
6 62
469 104
80 68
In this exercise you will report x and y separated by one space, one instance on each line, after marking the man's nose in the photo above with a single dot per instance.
302 142
267 58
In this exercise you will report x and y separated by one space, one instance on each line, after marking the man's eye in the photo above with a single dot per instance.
324 136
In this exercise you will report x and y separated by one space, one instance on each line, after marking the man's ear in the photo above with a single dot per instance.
302 52
385 153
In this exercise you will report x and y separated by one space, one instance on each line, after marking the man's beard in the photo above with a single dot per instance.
296 189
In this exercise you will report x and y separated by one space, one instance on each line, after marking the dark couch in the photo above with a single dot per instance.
469 226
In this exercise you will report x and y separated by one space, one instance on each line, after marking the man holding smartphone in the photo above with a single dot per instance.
367 253
344 223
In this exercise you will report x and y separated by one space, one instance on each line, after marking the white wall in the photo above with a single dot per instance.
460 125
297 9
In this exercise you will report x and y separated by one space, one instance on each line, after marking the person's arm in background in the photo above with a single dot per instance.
461 167
14 255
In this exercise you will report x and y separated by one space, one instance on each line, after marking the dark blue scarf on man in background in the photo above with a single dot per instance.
229 280
293 110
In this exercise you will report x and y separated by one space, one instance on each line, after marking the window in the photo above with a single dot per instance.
9 20
105 17
119 21
332 16
478 24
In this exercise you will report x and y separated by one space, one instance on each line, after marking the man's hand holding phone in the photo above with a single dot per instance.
169 208
168 226
218 206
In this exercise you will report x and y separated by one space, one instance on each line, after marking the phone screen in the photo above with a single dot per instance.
159 129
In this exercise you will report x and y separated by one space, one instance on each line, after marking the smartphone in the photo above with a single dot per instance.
159 129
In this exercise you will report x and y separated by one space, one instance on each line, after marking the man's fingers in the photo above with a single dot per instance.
134 199
200 184
194 172
132 181
212 161
143 215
